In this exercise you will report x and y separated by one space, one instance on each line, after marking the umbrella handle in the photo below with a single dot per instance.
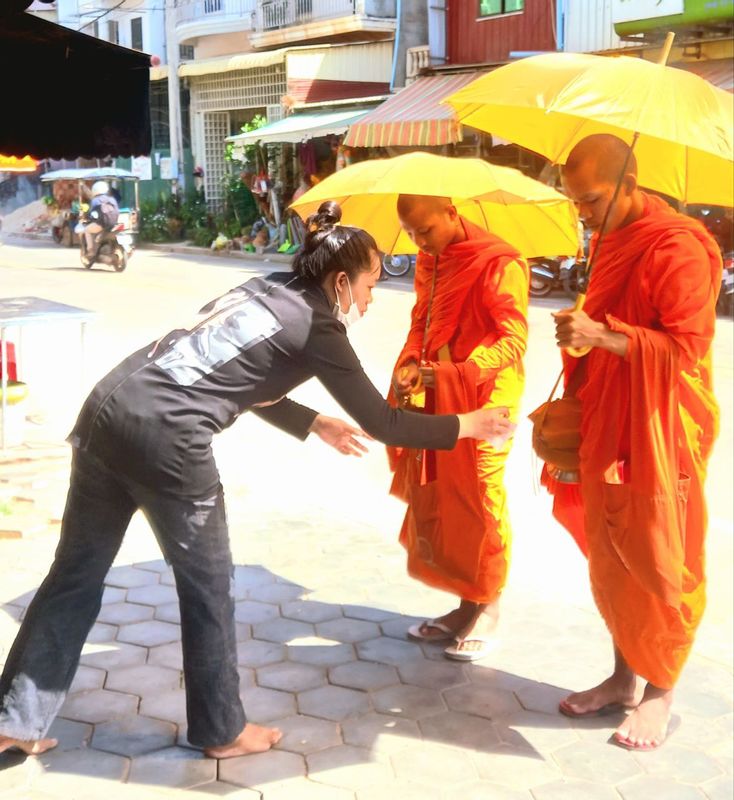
578 352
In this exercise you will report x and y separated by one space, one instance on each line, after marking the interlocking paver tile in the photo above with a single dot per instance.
368 613
249 576
385 650
695 731
158 565
580 790
380 733
133 736
598 763
168 578
541 697
247 677
261 769
311 611
486 790
543 732
515 768
124 613
150 633
492 678
291 677
169 706
143 680
113 594
719 789
129 577
264 705
282 630
217 789
276 593
64 771
436 675
348 630
723 754
168 612
177 767
676 763
412 702
364 675
303 734
705 702
349 767
397 628
252 612
323 652
254 653
98 705
409 790
473 699
646 787
101 633
87 678
70 734
118 654
333 702
155 595
460 730
437 765
16 773
167 655
306 789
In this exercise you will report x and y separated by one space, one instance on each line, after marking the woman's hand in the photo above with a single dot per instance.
406 378
339 434
489 424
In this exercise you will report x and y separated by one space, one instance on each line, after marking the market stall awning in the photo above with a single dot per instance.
414 116
94 99
719 71
298 127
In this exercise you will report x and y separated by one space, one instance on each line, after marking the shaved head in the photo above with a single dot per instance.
606 153
423 203
431 222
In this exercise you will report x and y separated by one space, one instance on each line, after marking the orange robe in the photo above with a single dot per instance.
479 310
649 421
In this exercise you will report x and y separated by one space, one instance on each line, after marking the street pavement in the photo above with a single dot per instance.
323 601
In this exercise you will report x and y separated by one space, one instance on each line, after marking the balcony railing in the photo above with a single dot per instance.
215 10
273 14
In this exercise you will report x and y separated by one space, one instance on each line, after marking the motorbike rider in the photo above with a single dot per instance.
102 215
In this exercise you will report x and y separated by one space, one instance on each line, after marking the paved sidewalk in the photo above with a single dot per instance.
323 604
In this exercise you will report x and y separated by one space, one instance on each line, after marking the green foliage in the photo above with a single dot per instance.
170 219
240 205
258 121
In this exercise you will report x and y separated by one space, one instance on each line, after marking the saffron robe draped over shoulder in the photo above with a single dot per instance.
649 421
456 529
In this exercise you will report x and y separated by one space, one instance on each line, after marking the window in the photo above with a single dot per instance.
113 32
136 33
186 52
491 8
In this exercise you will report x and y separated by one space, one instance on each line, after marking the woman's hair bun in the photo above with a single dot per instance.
329 213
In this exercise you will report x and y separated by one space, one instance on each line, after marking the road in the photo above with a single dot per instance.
347 554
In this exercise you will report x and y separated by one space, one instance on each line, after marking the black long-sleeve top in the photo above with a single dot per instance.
153 417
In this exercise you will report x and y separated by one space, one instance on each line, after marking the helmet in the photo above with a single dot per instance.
100 187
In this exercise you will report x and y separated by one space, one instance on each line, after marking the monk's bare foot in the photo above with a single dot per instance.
448 622
253 739
31 748
616 691
647 726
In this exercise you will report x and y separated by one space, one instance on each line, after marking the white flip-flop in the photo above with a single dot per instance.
414 631
489 644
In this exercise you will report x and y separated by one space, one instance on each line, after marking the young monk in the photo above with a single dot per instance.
649 420
466 343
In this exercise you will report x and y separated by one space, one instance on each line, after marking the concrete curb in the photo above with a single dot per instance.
192 250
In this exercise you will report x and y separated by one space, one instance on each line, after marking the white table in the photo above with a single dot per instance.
20 312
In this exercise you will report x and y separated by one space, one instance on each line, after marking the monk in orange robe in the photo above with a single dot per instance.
466 343
649 420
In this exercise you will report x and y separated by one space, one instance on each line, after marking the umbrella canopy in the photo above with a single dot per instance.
66 94
88 174
531 216
547 103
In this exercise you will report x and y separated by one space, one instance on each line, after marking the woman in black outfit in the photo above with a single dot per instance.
143 441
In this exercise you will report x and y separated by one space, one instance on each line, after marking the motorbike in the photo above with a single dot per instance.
397 265
112 247
566 274
725 301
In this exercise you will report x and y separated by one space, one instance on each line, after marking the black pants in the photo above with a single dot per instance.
194 539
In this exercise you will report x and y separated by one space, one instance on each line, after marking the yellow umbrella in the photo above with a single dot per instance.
531 216
547 103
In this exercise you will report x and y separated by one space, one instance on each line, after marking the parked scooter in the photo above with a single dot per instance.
566 274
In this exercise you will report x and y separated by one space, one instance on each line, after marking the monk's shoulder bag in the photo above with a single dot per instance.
557 430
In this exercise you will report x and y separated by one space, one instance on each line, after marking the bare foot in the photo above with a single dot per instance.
31 748
614 691
253 739
647 726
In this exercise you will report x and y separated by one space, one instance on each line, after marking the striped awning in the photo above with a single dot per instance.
414 116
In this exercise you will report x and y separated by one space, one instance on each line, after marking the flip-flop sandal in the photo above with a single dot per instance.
489 643
617 740
609 708
416 632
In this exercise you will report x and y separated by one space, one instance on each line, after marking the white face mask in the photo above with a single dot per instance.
353 315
